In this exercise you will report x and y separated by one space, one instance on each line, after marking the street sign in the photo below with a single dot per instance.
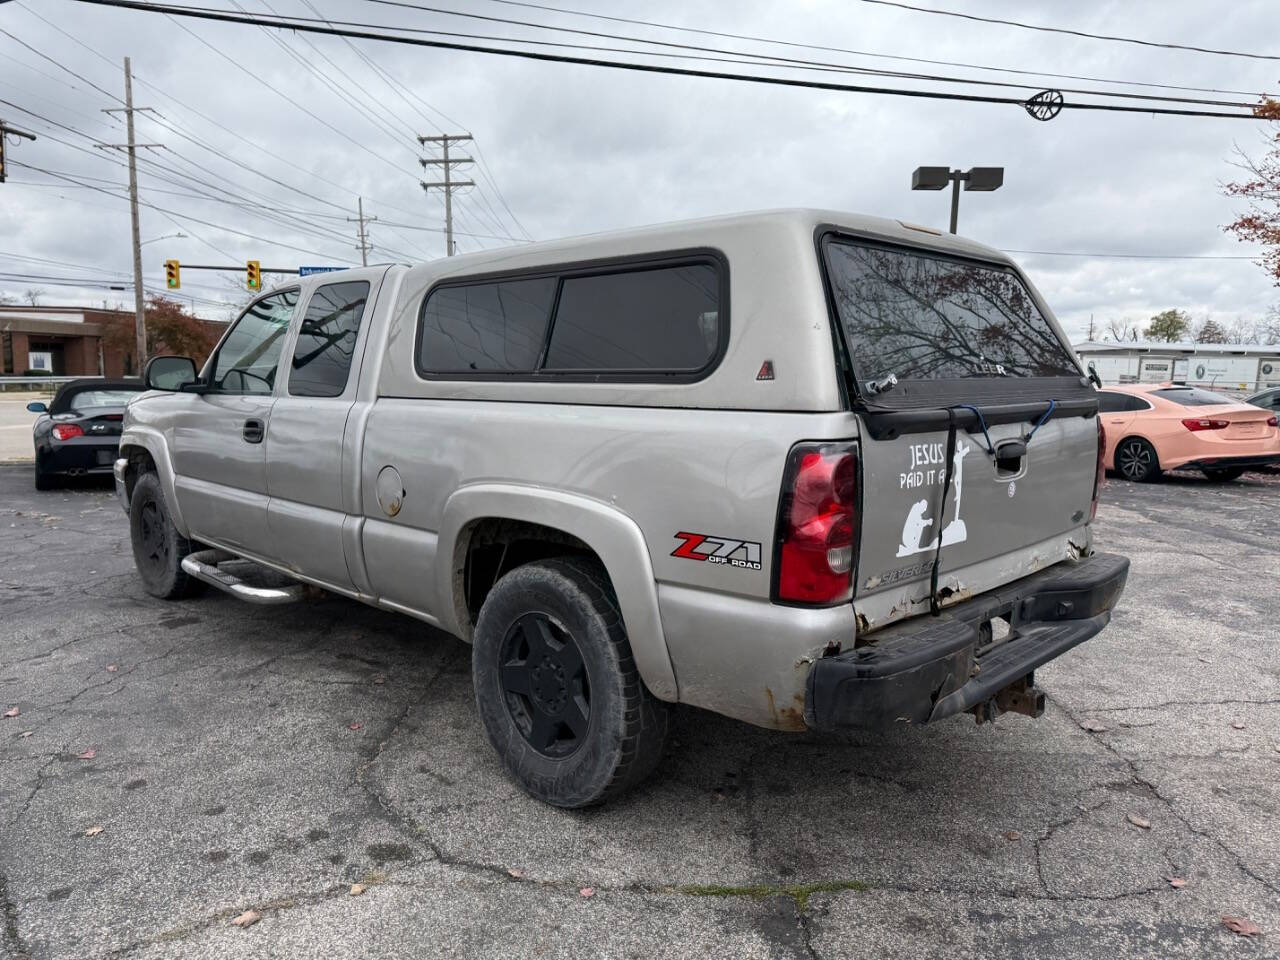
308 271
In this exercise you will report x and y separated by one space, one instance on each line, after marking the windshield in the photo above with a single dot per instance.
920 316
101 398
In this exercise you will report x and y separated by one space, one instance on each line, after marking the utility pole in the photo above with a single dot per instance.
6 130
360 220
448 184
140 314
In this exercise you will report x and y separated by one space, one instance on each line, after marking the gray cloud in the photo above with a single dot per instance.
576 149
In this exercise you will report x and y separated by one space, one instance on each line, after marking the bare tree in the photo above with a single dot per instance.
1120 330
1269 327
33 295
1241 330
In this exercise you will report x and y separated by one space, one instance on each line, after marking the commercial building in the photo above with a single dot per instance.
1238 367
70 341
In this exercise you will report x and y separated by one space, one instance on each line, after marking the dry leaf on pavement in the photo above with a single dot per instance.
1237 725
1241 925
247 919
355 726
112 668
1012 835
379 679
357 889
27 733
1138 821
1093 726
1177 882
88 754
587 892
12 713
515 873
93 831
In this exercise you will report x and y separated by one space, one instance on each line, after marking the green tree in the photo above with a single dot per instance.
1169 325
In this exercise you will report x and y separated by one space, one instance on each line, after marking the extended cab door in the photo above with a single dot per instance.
219 437
310 471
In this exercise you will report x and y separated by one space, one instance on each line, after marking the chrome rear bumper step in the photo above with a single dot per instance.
203 565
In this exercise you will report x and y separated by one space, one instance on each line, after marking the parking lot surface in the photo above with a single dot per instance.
173 765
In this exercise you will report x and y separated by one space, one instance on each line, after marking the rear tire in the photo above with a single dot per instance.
1225 474
46 481
557 687
1136 460
158 548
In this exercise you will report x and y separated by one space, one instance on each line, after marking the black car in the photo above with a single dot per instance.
79 432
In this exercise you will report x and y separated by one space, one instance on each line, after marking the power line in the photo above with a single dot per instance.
737 56
864 53
311 27
1131 256
1074 33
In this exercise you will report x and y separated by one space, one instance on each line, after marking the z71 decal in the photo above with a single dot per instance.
726 550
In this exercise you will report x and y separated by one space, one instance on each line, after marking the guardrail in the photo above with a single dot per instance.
38 384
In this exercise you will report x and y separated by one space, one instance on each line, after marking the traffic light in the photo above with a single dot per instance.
253 276
172 275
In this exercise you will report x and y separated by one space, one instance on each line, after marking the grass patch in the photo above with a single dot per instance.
798 892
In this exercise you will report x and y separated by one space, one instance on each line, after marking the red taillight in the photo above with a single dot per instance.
1196 424
1271 422
65 431
817 525
1100 473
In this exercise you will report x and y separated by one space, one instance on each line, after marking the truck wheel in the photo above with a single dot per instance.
158 548
557 688
1225 474
1137 461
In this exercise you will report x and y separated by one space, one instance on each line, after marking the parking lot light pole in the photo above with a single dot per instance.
984 179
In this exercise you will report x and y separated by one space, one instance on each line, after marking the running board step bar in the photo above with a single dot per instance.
203 565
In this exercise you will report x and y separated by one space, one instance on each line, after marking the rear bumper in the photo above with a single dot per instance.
929 668
82 455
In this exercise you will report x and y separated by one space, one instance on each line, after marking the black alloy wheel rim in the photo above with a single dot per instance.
544 684
151 533
1135 460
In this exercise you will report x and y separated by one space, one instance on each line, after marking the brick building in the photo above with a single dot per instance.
70 341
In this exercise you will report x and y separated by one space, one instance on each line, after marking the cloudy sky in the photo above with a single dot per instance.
266 139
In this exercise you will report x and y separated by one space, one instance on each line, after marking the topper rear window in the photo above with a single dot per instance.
923 316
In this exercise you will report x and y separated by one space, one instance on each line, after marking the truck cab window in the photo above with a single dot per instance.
247 360
327 340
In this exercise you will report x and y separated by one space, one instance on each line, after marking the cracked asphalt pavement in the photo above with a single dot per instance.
269 758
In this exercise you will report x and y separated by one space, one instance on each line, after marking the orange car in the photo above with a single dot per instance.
1156 427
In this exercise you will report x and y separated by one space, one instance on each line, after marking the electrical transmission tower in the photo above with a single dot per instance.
447 184
360 220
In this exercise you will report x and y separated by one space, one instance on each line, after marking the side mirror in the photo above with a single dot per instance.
37 407
1093 376
169 373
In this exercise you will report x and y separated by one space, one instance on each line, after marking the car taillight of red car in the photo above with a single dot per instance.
818 525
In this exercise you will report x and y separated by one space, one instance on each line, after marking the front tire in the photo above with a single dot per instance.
557 687
158 548
1136 460
1225 474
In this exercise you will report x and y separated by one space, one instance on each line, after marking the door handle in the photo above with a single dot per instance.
252 431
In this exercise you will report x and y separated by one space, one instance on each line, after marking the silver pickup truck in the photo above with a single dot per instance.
803 468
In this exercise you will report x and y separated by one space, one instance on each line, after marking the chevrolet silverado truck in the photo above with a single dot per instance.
807 469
